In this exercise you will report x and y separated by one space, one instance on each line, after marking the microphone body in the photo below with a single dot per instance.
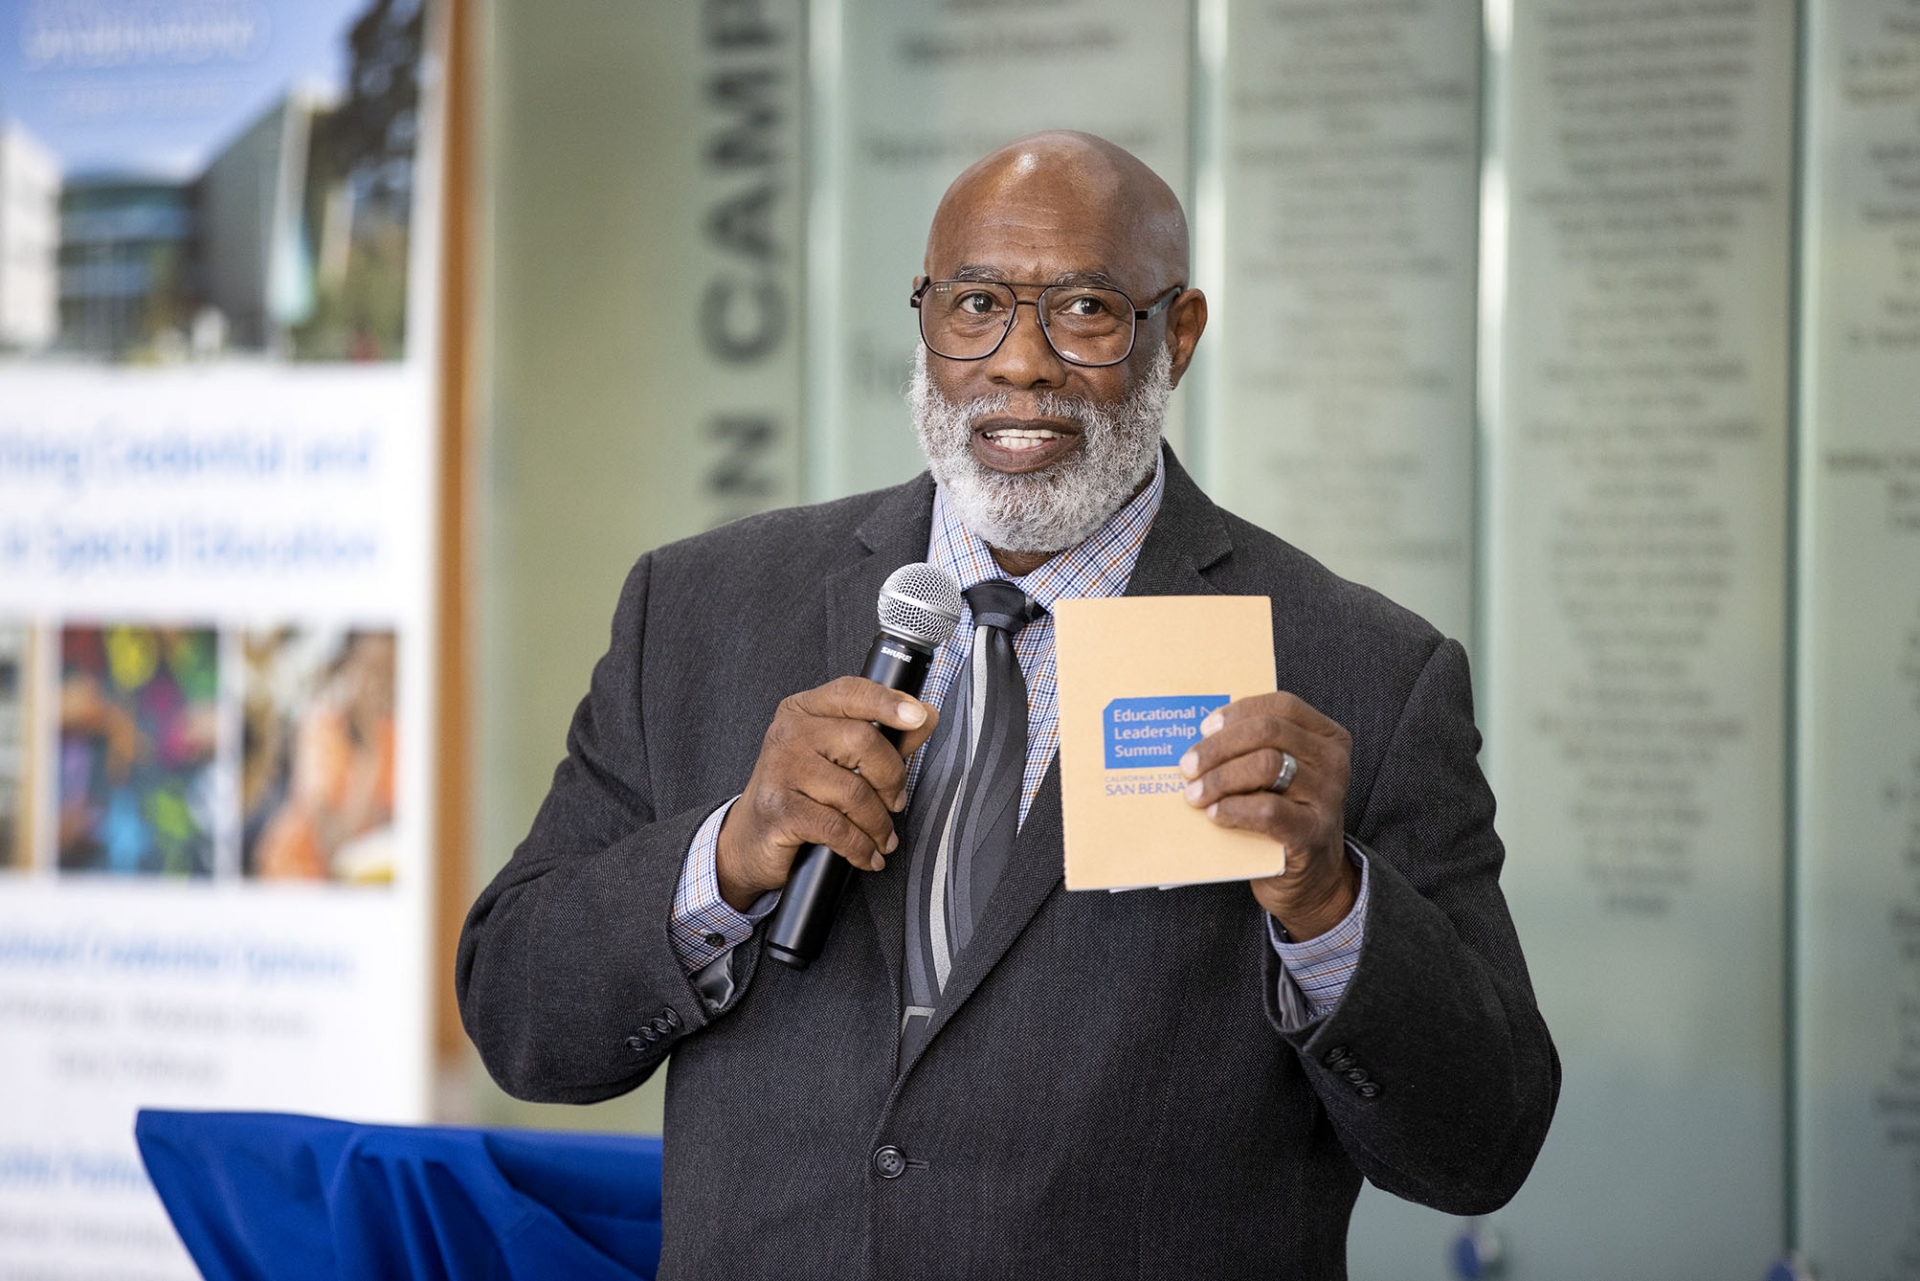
819 876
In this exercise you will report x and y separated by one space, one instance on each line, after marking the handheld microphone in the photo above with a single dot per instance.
919 608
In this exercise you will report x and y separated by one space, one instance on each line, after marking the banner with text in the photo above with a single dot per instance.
218 260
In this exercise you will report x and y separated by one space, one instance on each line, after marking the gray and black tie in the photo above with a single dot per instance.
965 811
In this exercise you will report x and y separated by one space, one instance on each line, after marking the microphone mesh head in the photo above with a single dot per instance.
920 603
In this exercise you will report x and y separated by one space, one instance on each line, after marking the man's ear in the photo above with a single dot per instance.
1186 321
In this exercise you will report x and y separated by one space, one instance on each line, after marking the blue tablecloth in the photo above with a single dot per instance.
264 1197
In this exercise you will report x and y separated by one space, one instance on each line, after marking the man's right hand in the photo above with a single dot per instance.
825 776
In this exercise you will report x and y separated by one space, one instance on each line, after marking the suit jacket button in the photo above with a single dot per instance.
1334 1056
1369 1091
635 1044
1358 1076
889 1162
671 1019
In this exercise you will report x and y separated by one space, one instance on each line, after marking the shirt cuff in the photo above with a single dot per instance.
1322 967
704 925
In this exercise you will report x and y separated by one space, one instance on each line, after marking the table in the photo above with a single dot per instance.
271 1197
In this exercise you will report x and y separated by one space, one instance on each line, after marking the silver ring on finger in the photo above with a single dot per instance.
1284 779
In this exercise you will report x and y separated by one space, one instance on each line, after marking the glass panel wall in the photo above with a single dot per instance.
641 366
1858 750
1636 570
1342 331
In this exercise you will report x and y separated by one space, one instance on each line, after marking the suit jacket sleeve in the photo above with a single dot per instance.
567 977
1436 1068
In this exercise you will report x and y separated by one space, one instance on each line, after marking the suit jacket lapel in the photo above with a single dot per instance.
1188 535
896 533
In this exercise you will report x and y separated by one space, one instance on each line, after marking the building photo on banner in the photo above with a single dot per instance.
219 232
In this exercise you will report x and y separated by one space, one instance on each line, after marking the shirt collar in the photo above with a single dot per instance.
1099 566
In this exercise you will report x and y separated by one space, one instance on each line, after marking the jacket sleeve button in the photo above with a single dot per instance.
635 1044
1334 1055
1357 1075
671 1019
1369 1091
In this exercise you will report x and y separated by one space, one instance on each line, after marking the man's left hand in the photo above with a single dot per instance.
1233 768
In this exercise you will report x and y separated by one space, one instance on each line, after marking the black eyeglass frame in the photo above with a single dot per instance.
1160 303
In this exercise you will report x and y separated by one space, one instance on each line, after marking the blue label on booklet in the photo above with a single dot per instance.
1154 733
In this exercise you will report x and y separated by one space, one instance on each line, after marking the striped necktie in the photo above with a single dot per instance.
965 810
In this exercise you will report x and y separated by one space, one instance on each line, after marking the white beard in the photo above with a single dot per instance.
1056 507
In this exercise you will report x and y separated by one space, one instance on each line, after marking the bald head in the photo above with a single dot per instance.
1035 430
1065 177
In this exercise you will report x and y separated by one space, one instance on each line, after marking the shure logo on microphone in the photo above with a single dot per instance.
900 655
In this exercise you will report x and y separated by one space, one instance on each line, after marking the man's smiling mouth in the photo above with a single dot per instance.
1021 439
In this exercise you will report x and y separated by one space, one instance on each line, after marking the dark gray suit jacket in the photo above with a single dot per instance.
1110 1089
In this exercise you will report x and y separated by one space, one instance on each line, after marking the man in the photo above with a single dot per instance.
984 1075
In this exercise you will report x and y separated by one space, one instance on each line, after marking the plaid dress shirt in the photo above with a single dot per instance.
705 926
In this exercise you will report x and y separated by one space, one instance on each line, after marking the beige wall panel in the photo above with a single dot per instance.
643 382
1858 919
1343 393
1636 637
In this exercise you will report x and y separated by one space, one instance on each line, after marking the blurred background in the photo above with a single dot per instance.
351 352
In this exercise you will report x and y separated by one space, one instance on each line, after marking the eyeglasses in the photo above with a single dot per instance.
969 319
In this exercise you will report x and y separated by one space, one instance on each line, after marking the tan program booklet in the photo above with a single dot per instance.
1137 676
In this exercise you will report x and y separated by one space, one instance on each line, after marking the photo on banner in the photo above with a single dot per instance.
318 762
139 724
159 218
16 741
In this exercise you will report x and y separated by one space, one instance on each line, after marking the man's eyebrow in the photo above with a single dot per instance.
1097 279
974 271
980 272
